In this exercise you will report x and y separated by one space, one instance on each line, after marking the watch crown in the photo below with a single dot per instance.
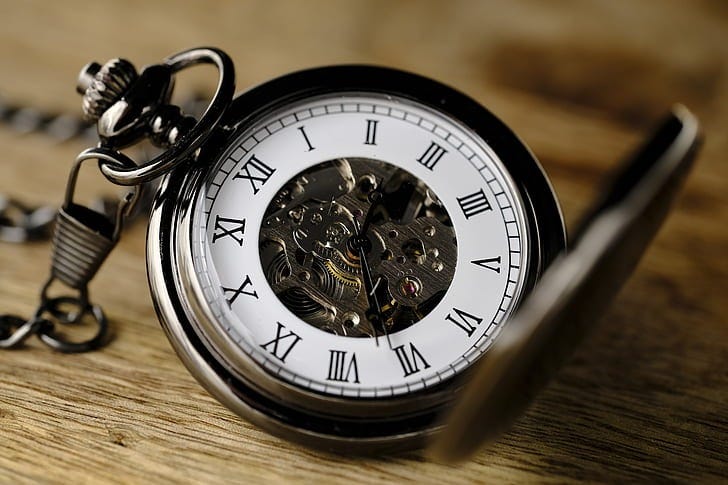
102 86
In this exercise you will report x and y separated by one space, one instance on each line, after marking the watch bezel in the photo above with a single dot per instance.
389 422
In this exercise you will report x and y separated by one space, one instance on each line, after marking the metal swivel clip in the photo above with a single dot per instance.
83 237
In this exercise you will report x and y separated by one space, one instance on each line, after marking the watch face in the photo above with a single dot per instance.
350 244
279 227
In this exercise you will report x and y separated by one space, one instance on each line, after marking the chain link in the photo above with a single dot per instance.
83 236
21 223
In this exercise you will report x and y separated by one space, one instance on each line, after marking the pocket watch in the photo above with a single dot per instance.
344 247
330 253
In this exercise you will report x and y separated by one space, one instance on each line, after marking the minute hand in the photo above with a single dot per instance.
374 313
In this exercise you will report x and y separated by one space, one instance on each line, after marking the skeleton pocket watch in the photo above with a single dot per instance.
332 252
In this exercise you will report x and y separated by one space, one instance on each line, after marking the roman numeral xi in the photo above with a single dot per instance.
282 344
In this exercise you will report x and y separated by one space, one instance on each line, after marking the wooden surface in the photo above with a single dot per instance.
645 398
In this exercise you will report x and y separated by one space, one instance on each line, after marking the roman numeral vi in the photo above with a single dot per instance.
465 321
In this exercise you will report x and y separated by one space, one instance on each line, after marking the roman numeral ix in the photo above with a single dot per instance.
226 227
256 172
411 361
340 370
282 344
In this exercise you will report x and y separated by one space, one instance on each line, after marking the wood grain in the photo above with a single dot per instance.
644 399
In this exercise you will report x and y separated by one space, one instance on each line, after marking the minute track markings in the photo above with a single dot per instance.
437 372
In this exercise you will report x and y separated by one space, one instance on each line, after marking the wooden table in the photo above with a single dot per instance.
645 398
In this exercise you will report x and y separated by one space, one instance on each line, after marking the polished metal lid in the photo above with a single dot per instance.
574 291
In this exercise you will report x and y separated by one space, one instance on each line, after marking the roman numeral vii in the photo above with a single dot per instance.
410 360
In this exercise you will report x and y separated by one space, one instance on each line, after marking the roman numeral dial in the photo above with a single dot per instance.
441 224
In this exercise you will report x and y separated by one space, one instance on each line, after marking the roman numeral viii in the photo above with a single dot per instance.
410 360
466 321
226 227
342 370
432 155
473 204
282 344
256 172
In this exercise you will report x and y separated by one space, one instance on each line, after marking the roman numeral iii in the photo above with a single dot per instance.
432 155
256 172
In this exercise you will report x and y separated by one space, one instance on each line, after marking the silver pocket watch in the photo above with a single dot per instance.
334 253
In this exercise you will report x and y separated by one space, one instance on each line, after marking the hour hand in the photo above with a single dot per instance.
374 312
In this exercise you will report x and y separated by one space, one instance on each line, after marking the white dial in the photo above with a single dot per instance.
466 195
